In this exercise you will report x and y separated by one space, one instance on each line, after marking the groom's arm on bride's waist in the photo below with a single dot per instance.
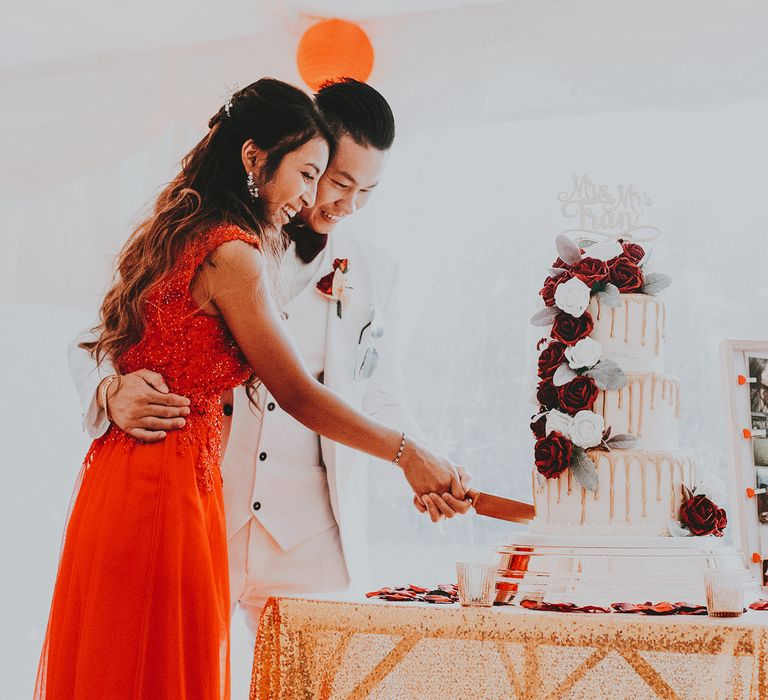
384 397
87 375
141 406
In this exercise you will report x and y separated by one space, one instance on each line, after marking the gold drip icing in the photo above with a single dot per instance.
626 488
583 505
645 319
549 500
658 480
621 397
631 406
559 486
677 400
613 321
663 388
626 321
653 390
641 408
611 490
570 483
643 464
672 486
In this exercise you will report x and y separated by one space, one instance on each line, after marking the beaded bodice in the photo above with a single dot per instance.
193 351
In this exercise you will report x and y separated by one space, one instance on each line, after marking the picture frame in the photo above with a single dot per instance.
744 376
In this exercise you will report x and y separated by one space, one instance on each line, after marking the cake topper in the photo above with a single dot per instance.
605 215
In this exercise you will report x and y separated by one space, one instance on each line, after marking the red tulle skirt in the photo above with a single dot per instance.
141 602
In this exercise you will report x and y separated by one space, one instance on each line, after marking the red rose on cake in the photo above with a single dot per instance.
633 251
570 330
539 427
553 455
550 359
546 395
626 275
550 285
703 517
590 271
577 395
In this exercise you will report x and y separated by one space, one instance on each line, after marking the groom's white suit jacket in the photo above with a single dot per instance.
294 509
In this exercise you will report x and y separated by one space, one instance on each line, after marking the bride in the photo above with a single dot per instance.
140 606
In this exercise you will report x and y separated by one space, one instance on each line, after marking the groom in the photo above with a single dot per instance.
296 502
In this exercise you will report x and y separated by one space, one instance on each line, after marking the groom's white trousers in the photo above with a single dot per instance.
259 568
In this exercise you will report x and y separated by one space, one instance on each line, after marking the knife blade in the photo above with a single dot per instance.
501 508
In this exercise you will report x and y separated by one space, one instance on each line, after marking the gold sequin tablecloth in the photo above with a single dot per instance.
412 651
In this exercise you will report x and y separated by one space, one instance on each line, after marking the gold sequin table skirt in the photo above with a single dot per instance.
412 651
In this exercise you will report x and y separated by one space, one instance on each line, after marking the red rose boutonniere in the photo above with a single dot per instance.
333 286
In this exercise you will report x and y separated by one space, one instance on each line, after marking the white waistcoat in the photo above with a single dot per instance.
296 501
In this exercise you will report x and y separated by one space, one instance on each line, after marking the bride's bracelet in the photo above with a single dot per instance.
396 460
103 391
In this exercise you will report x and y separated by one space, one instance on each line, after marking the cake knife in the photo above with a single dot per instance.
501 508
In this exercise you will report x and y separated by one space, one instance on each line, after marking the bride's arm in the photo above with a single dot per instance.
237 281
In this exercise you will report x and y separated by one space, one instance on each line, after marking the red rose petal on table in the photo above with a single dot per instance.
759 605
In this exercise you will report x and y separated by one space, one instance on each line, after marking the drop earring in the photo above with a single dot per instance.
251 184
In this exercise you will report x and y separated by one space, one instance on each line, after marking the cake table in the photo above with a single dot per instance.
335 649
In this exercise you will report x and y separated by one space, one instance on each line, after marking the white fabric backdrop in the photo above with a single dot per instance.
497 106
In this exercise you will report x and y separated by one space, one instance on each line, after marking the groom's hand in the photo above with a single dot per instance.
144 408
448 504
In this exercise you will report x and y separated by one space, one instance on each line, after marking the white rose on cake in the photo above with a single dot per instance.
559 422
587 429
605 250
713 488
572 297
586 353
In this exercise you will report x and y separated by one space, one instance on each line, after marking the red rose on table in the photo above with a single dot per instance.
590 271
546 395
550 359
553 455
550 285
702 517
633 251
577 395
626 275
539 427
570 330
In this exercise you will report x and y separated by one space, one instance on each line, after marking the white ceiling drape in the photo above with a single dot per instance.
84 87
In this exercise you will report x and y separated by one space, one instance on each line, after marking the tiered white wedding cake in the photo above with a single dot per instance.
619 512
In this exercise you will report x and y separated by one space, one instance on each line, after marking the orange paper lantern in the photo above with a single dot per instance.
334 48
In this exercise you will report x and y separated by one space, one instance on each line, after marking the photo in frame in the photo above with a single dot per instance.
744 369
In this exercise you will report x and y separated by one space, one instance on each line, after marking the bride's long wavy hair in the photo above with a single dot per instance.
210 189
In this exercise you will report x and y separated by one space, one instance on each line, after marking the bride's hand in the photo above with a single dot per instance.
425 471
450 503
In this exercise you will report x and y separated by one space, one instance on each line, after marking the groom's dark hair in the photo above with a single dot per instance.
356 109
